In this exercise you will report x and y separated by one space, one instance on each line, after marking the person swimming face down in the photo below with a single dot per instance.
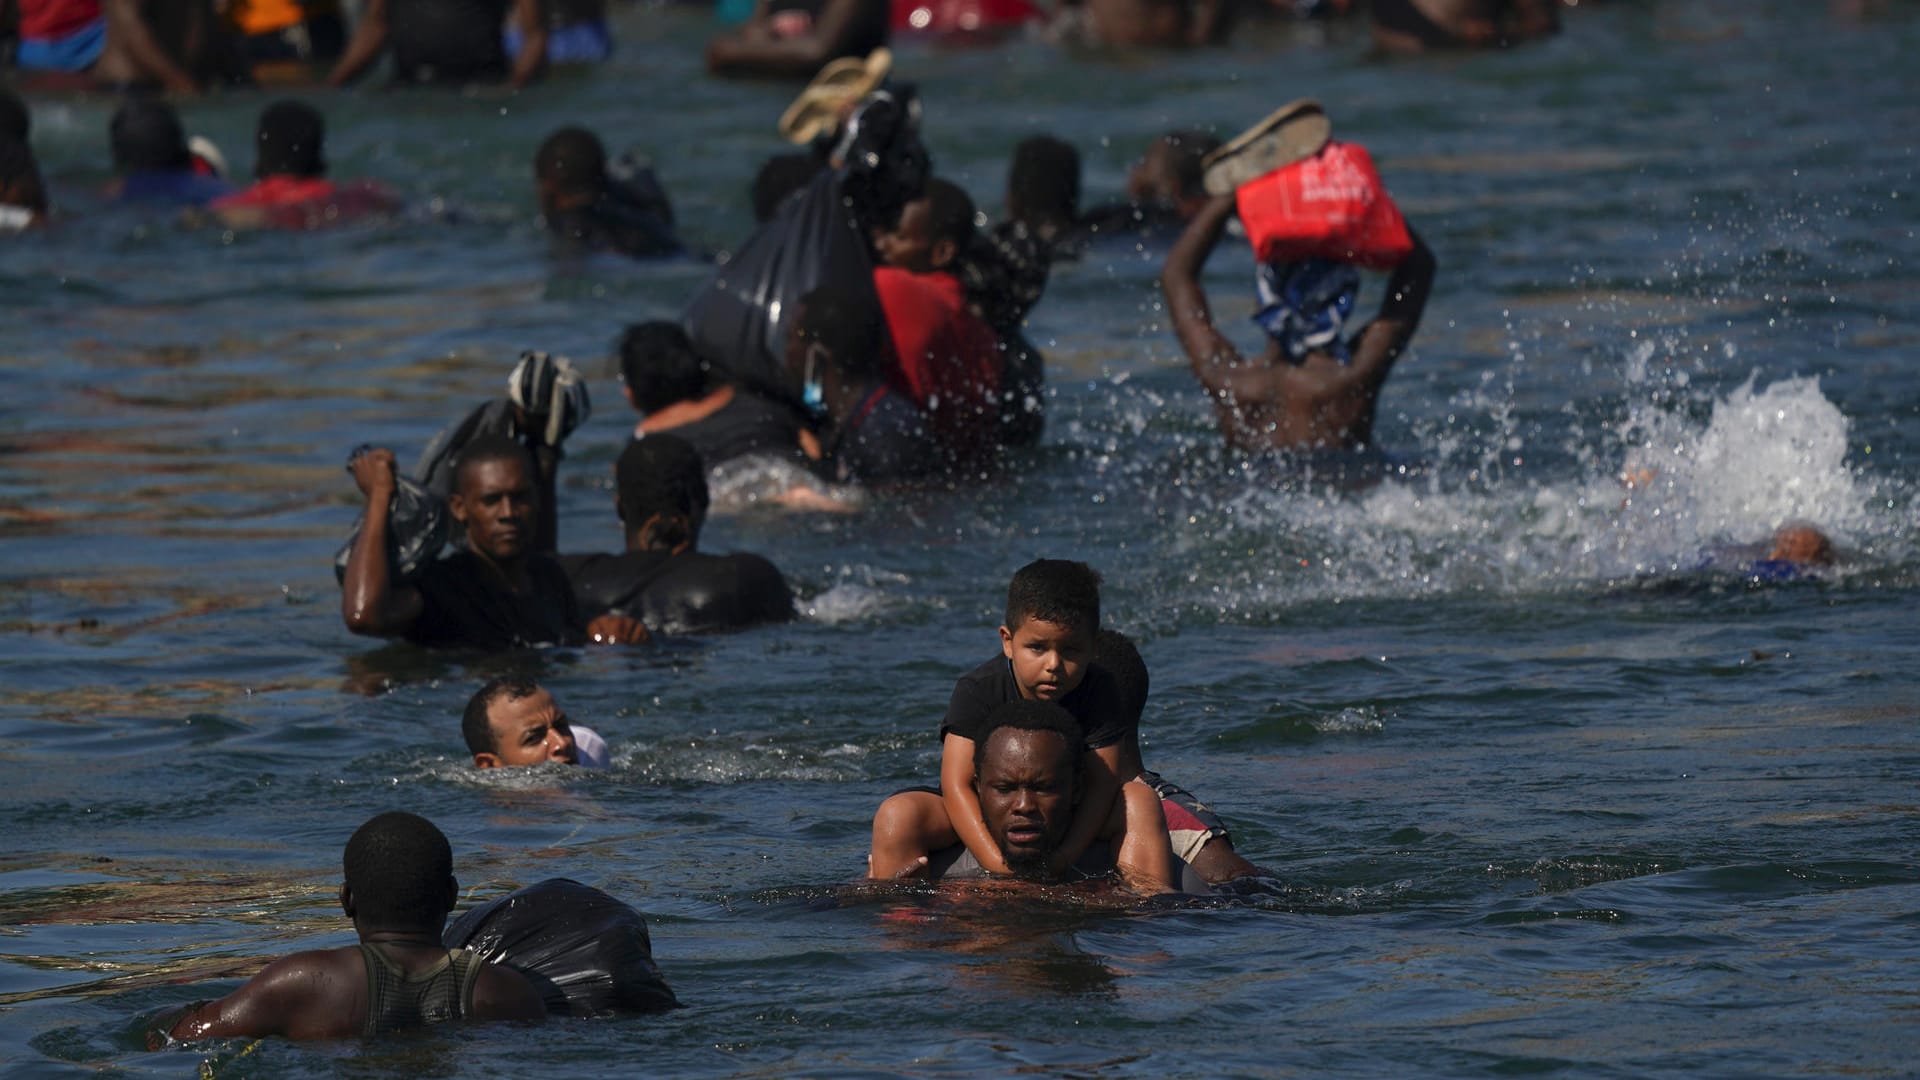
1027 777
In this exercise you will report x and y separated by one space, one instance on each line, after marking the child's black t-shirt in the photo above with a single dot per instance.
1096 703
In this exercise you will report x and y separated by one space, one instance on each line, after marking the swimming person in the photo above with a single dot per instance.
291 189
1029 781
796 38
499 591
399 888
154 164
874 434
1046 643
585 209
949 360
662 579
677 390
1410 26
1310 388
512 721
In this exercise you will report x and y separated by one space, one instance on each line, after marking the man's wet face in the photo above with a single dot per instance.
1026 789
1049 658
909 245
530 731
496 501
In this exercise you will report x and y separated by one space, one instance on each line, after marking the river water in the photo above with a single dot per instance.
1537 793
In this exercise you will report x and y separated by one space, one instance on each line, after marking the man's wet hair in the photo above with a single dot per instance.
661 474
15 121
1044 180
476 725
848 324
1024 715
950 213
488 448
780 176
1058 591
1186 153
399 866
290 141
147 137
660 365
1115 651
573 160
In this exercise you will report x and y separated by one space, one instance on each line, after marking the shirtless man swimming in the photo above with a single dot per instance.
1278 401
399 888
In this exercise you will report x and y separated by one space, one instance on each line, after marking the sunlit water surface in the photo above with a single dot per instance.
1539 794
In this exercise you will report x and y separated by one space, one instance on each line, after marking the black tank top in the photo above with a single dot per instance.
397 1001
447 41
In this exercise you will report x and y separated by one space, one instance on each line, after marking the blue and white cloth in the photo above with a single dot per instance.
1304 305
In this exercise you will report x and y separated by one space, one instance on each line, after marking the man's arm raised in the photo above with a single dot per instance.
1380 343
1216 363
370 602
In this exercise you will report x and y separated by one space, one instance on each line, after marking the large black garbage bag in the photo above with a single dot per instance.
587 953
738 319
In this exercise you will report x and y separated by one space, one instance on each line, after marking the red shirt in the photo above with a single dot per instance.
51 20
949 360
309 202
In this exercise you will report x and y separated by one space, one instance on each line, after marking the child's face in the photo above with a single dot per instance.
1049 659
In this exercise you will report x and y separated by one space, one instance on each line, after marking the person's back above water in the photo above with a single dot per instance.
585 210
662 579
399 888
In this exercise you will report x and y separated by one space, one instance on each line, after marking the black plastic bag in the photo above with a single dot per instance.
418 526
587 953
739 317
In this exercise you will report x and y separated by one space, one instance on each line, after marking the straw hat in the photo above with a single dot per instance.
1293 132
840 84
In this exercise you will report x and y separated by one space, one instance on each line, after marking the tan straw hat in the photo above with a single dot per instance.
838 86
1293 132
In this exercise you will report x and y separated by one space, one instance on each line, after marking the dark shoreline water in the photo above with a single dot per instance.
1539 795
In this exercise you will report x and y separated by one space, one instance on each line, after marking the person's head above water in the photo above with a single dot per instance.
1043 184
1798 542
932 232
662 497
1027 776
20 185
1172 171
659 366
494 497
512 721
570 169
399 875
290 141
147 137
780 176
1053 613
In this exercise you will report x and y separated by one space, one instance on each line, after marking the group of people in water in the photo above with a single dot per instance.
881 344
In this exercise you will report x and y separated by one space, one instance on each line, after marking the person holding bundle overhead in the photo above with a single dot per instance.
1316 214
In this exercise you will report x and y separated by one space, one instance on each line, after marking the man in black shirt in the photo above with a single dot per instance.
586 210
498 592
660 578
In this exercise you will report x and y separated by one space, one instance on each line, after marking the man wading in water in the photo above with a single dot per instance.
399 888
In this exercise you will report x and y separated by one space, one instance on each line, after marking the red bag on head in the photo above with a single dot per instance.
1329 206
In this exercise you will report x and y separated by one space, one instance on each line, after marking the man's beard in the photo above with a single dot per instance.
1028 863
